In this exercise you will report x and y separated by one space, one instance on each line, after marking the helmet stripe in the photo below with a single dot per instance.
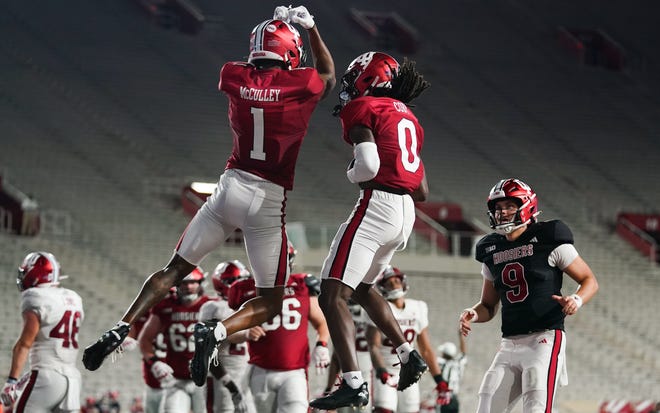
259 35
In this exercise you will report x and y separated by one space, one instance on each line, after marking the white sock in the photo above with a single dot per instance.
220 332
353 379
403 351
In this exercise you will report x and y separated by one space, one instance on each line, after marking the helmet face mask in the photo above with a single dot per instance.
184 293
276 40
366 75
515 192
38 269
384 285
226 273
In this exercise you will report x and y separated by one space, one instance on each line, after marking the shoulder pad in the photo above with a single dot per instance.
313 285
483 244
556 232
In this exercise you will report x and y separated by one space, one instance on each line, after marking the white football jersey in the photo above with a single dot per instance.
60 313
412 319
452 370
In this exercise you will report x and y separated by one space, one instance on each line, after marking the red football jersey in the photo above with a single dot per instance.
269 111
178 322
285 346
149 379
398 135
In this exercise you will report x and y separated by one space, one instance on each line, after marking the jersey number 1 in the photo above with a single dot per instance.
257 151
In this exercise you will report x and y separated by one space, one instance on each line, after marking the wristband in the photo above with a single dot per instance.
228 383
438 378
12 380
322 343
225 380
151 360
577 299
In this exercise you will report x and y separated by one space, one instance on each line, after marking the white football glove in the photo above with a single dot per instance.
281 13
129 344
301 16
9 392
321 358
163 373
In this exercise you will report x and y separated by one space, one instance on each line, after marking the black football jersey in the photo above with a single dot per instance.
524 279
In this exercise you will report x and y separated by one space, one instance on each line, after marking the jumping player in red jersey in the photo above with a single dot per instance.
271 99
387 140
280 356
523 263
175 317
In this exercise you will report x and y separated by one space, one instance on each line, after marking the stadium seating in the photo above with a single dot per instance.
103 116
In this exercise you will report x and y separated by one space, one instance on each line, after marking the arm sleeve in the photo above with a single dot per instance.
562 256
485 272
367 163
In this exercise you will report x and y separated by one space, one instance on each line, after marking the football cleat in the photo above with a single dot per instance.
205 345
94 354
344 396
411 371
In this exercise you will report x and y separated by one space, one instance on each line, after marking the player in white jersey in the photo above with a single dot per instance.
452 362
227 386
51 319
361 321
413 318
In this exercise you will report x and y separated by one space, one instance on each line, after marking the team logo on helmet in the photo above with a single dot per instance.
276 40
39 269
366 74
226 273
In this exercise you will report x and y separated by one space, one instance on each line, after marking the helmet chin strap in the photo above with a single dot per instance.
395 294
188 298
509 227
506 228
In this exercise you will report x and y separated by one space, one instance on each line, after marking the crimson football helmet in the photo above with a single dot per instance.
226 273
291 250
276 40
39 269
520 193
366 74
197 275
388 273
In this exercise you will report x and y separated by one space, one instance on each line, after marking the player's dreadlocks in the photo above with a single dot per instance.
407 84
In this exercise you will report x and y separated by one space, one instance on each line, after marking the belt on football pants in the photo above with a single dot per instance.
384 188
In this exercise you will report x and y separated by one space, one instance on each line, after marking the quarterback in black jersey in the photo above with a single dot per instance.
523 263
